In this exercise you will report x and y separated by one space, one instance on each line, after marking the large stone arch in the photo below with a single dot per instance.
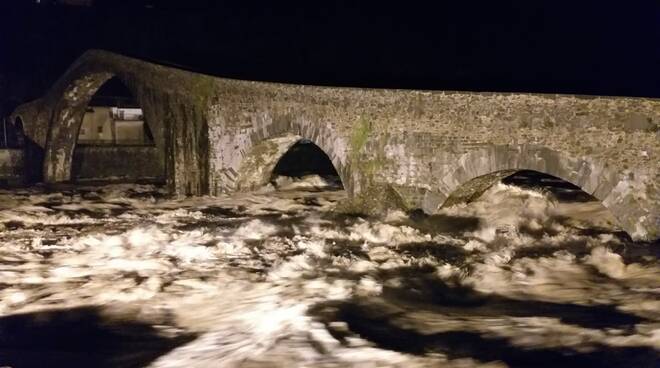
477 170
68 113
267 143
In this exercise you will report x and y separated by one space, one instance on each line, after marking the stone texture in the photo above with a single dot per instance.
213 133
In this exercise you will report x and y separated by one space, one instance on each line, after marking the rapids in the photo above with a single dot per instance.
123 276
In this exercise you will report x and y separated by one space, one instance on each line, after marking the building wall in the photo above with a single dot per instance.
117 163
128 131
103 124
96 125
11 166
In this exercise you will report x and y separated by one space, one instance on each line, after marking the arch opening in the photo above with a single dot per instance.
114 141
304 159
560 189
288 161
527 197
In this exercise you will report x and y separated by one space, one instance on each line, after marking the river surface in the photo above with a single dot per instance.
123 276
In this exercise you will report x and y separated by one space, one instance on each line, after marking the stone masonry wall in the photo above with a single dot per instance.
425 145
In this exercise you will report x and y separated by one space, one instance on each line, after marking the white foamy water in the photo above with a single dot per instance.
123 276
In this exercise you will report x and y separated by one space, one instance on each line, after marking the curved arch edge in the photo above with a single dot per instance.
617 191
253 153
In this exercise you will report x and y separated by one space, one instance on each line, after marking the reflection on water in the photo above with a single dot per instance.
123 276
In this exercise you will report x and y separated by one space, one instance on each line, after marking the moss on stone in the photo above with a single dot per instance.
203 87
373 200
359 136
262 151
373 197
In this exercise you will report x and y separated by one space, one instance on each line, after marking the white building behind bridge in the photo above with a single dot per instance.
104 125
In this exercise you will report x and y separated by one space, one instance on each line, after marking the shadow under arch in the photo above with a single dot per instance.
478 170
304 158
33 153
67 118
19 133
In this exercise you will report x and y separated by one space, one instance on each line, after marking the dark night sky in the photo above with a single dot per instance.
583 47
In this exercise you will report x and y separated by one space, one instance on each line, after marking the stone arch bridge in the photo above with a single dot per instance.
413 148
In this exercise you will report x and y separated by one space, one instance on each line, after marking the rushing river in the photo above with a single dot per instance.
122 276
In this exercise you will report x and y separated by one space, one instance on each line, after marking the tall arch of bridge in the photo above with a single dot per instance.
68 113
170 101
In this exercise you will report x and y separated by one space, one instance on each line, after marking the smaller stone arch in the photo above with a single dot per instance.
257 166
476 171
266 145
496 162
